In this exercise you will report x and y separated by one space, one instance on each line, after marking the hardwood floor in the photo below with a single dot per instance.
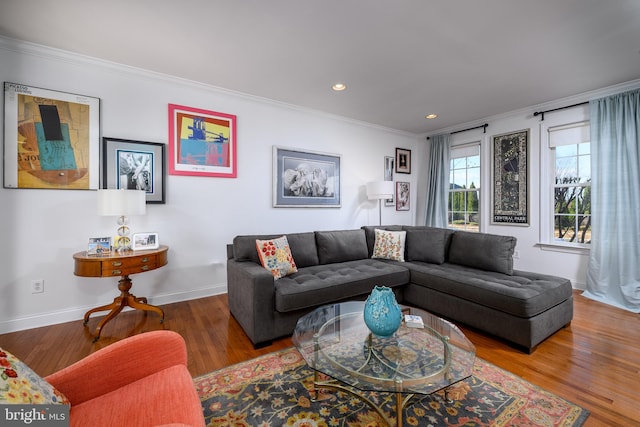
594 363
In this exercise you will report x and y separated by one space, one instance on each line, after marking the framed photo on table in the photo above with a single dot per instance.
51 139
510 178
305 178
201 142
134 165
145 241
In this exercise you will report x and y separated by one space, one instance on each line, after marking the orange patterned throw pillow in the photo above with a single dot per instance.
389 245
275 256
19 384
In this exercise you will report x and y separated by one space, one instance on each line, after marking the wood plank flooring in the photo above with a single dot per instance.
594 363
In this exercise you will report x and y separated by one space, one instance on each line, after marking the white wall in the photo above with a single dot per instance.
40 230
569 263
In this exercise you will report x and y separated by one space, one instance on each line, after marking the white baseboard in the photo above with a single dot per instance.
77 313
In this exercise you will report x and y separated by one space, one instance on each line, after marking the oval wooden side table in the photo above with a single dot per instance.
120 264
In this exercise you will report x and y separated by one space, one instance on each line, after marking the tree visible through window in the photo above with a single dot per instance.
464 189
572 193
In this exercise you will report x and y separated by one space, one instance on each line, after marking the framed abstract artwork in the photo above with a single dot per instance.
402 196
510 175
134 165
403 160
305 178
201 142
51 139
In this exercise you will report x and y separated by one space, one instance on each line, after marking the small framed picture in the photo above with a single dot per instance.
402 196
403 160
144 241
389 162
99 246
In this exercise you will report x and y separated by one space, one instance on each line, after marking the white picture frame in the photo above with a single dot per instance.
145 241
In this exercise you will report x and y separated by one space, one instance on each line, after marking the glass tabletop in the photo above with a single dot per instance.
335 341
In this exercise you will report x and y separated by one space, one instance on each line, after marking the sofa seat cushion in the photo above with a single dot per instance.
154 400
520 294
326 284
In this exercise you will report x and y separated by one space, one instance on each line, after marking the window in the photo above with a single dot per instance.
464 188
571 157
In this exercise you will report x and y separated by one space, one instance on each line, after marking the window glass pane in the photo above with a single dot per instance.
584 148
473 162
584 229
566 150
473 178
584 168
459 178
459 163
566 170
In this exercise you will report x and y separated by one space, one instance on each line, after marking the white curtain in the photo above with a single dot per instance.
437 181
613 276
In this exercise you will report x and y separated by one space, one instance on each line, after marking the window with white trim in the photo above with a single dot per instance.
463 209
570 159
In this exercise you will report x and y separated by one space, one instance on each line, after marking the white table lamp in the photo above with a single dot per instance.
122 203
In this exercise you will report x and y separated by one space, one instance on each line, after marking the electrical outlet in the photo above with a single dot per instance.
516 254
37 286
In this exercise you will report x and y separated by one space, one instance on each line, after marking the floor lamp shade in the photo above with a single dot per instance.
380 190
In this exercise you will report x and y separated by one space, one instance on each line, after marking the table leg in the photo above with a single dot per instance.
125 299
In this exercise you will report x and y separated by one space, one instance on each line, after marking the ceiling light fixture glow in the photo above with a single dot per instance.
339 87
431 116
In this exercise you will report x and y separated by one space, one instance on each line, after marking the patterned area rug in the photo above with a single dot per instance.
274 390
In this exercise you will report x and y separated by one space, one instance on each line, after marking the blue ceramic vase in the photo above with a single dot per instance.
382 313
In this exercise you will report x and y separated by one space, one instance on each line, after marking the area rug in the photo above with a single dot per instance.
274 390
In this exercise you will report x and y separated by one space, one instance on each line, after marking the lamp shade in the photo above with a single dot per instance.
380 190
122 202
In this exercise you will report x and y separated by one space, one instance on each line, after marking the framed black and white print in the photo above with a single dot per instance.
135 165
510 175
403 160
305 178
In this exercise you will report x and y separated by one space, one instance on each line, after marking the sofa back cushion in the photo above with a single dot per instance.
427 244
341 246
490 252
302 246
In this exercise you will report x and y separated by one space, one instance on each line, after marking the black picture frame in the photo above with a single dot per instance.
135 165
510 178
303 179
403 160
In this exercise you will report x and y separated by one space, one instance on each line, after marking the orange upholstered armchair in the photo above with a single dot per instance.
140 381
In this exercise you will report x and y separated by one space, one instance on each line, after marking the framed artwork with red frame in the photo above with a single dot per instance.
202 142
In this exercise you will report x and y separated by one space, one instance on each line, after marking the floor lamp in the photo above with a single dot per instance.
380 190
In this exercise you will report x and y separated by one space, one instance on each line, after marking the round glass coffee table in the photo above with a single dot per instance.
416 360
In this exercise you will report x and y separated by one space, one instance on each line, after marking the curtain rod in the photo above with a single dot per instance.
484 126
541 113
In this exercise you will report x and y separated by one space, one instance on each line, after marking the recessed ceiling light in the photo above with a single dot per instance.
431 116
339 87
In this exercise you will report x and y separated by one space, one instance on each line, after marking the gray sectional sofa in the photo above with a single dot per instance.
462 276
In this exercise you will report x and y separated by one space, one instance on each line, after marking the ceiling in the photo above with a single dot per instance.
401 60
